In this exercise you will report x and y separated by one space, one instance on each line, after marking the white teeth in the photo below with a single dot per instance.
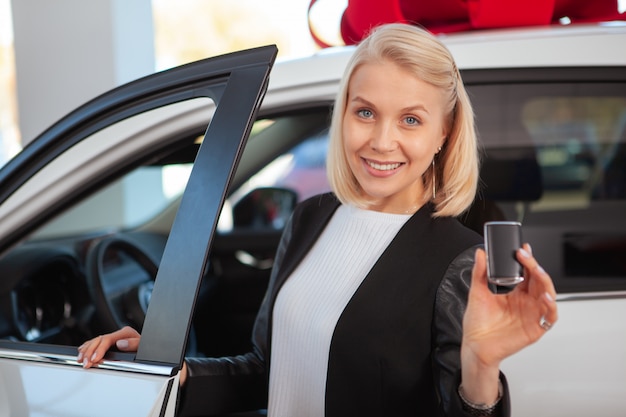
383 167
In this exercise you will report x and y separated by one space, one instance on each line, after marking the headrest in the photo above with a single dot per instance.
511 175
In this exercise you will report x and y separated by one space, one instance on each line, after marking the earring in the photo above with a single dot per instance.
434 175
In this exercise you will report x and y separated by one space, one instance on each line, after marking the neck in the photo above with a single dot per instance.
395 209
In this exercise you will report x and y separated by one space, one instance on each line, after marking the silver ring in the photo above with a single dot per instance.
545 324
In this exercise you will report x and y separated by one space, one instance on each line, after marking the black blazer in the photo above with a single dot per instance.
395 349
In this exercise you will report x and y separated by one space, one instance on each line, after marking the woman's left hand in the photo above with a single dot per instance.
496 326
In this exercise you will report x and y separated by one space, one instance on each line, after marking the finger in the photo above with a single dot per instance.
536 276
125 332
551 314
88 345
106 342
87 352
543 288
549 318
526 258
92 352
128 345
523 286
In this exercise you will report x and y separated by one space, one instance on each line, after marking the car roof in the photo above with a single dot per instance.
550 46
575 45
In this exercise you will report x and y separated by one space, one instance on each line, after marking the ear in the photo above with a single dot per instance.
442 140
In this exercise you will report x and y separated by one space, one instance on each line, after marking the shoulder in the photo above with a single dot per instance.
454 229
307 222
318 201
446 235
459 272
321 205
452 293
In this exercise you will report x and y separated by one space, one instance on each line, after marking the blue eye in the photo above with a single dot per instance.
410 120
365 113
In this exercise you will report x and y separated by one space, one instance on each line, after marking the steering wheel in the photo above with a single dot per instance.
120 298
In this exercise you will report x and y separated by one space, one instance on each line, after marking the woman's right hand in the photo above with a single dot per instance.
92 351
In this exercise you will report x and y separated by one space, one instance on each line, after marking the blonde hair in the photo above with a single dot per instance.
457 164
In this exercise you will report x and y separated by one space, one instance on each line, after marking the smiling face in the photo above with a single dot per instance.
393 126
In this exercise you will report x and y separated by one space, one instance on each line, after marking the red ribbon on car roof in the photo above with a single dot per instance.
445 16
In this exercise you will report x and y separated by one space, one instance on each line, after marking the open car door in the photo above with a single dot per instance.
46 380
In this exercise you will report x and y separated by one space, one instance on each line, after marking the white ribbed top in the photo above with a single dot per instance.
311 301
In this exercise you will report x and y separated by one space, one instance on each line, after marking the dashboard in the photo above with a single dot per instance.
47 295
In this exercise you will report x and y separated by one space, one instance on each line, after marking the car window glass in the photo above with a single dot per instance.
125 203
555 159
578 139
301 169
111 201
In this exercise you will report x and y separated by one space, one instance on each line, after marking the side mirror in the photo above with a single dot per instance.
265 208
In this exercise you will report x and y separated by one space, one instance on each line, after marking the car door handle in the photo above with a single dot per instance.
252 261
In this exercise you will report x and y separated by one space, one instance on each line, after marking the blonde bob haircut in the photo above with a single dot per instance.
455 174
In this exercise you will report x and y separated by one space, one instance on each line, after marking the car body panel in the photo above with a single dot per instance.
584 374
54 384
517 48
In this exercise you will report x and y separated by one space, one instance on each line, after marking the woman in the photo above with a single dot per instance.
378 303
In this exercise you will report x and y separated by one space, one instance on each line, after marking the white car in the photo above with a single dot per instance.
88 212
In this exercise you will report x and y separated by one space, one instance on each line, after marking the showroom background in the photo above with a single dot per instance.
56 55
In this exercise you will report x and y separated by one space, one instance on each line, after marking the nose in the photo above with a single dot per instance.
382 137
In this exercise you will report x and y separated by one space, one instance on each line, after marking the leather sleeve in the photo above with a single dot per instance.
236 383
450 304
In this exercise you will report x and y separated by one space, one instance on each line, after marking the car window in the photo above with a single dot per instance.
302 169
555 160
134 199
578 139
124 204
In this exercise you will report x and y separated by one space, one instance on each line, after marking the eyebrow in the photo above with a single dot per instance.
417 107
